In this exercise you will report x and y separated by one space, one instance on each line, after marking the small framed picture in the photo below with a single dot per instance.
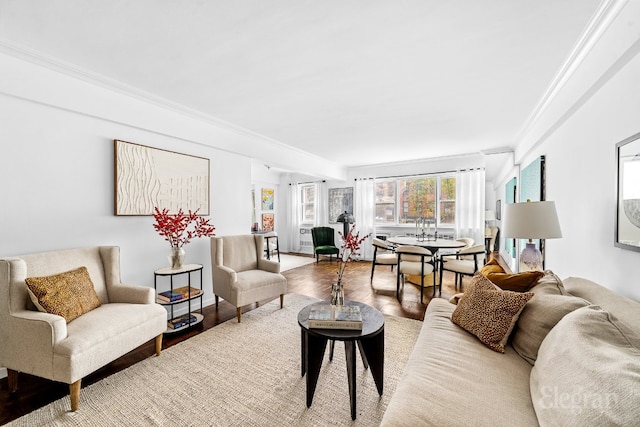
267 222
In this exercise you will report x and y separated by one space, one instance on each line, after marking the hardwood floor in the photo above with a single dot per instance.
313 280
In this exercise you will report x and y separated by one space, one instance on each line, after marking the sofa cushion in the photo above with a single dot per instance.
489 313
549 284
69 294
587 371
452 379
539 315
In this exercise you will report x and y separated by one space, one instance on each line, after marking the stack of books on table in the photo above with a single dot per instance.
181 321
326 316
179 294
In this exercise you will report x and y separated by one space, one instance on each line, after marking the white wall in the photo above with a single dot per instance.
577 133
57 171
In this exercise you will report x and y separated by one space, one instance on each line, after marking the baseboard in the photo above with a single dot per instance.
3 372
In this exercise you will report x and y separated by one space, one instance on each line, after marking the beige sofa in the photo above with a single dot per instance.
586 371
45 345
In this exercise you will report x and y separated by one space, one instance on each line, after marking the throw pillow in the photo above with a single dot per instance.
541 314
454 299
489 313
491 267
587 372
517 282
69 294
549 284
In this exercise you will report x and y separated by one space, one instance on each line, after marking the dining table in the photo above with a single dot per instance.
432 245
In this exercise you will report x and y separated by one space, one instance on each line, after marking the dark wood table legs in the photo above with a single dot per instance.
371 349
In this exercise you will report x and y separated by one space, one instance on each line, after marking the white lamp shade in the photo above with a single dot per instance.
531 220
489 215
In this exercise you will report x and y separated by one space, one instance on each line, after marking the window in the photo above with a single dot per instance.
386 202
447 211
403 200
308 201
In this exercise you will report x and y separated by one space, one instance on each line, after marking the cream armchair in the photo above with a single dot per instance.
241 275
45 345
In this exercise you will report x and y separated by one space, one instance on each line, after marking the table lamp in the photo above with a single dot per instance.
531 220
346 219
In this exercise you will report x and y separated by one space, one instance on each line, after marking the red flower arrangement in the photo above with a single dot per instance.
174 227
350 248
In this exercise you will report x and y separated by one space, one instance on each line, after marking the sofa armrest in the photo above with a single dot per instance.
268 265
28 339
131 294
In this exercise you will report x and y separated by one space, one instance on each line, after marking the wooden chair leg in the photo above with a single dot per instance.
158 344
239 313
281 300
12 378
74 395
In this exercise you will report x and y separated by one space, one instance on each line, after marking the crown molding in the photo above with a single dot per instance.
597 26
73 71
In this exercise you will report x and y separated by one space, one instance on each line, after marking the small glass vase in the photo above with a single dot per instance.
176 256
337 294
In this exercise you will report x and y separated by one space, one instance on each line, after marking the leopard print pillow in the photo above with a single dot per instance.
69 294
489 313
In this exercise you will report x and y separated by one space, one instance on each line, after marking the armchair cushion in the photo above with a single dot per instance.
69 294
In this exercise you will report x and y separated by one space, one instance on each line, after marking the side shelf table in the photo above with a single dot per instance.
181 278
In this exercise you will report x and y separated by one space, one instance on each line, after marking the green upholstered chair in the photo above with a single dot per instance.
324 242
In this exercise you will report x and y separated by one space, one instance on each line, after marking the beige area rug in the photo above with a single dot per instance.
245 374
289 261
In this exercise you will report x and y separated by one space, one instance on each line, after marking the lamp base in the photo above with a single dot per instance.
531 258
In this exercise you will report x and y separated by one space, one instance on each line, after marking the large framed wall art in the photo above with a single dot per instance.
146 177
627 225
532 187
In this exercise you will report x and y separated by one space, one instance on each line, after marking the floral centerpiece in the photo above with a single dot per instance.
174 230
350 249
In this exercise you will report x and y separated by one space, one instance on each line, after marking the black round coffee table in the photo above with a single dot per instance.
370 341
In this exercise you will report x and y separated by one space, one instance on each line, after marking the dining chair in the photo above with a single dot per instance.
271 244
451 255
415 261
383 254
466 263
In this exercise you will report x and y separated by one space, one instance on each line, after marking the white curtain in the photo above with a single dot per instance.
470 204
364 206
322 205
293 219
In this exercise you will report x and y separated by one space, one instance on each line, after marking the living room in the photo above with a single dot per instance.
59 122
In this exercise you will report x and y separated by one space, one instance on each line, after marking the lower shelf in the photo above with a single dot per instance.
199 318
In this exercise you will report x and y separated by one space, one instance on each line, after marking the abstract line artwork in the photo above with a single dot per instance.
147 177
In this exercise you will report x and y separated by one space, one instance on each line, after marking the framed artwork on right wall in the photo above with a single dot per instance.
627 225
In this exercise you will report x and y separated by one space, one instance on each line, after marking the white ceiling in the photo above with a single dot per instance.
353 81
